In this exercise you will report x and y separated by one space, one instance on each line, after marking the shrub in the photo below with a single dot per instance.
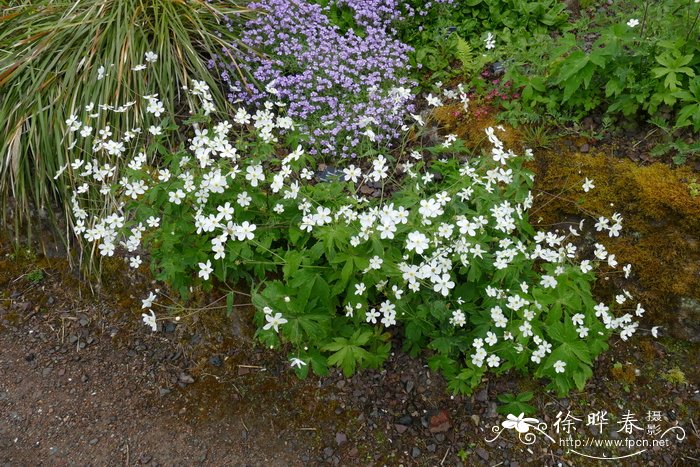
439 247
56 55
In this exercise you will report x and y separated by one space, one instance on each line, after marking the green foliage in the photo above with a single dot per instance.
472 63
437 36
626 71
50 54
516 404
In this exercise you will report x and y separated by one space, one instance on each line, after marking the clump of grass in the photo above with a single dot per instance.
50 55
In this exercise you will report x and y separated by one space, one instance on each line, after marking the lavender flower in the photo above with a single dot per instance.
344 88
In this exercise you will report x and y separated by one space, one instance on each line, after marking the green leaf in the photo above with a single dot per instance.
292 261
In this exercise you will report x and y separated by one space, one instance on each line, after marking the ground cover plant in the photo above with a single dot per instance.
344 86
56 55
442 248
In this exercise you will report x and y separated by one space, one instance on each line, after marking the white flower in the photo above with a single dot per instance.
418 119
588 185
628 269
559 366
245 231
655 329
375 262
586 266
153 221
274 321
86 131
490 41
352 173
297 362
371 316
139 67
493 361
243 199
633 22
548 282
360 288
433 101
443 285
151 57
254 174
150 320
135 262
205 269
417 242
148 301
176 197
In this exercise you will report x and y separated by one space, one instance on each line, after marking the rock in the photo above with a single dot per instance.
163 391
409 386
481 452
492 411
432 447
475 419
405 420
340 438
145 458
327 452
169 327
185 378
482 396
46 371
215 360
440 422
415 452
93 441
400 428
686 322
585 147
353 452
366 190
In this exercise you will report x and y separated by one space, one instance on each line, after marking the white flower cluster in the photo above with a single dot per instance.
443 233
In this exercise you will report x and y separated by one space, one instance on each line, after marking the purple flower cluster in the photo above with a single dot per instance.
341 87
385 13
